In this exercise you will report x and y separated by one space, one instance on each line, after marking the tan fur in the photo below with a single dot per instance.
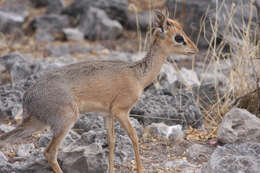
100 86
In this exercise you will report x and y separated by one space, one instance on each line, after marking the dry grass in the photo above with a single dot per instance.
242 60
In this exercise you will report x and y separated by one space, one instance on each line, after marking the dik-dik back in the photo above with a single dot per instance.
91 86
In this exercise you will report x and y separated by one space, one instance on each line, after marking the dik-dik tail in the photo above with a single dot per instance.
21 132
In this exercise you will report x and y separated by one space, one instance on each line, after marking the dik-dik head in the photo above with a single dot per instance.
172 36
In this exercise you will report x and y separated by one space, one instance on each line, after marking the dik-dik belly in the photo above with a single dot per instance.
93 106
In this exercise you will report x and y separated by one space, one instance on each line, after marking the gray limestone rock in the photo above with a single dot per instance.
96 25
234 158
199 153
115 9
174 133
48 27
53 6
89 159
239 126
172 109
12 18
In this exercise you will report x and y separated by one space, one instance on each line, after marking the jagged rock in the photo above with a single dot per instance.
137 126
3 158
10 102
12 18
89 159
115 9
96 25
53 6
185 78
18 66
89 121
181 164
73 34
199 153
70 138
174 133
49 27
4 165
172 109
93 130
34 163
174 80
233 158
25 150
167 75
238 126
94 121
5 128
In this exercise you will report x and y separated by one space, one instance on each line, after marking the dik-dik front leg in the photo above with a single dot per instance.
109 125
123 118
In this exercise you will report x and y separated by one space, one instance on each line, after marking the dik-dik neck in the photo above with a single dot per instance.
148 68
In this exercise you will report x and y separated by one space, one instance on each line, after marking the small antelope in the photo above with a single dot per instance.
112 87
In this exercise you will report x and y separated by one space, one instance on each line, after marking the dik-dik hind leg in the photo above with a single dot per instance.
59 133
109 124
123 118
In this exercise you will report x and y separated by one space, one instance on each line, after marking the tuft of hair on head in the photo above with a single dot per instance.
160 18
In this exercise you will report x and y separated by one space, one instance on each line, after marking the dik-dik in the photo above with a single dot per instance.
112 87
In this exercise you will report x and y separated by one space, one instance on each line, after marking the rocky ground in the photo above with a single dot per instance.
175 132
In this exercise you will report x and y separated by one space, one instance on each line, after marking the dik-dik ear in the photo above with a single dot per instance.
160 19
160 22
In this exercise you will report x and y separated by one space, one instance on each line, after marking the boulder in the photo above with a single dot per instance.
199 153
53 6
115 9
45 138
96 25
89 159
174 133
48 27
172 109
183 165
12 18
92 128
18 66
25 150
10 102
239 126
172 79
234 158
5 128
73 34
89 121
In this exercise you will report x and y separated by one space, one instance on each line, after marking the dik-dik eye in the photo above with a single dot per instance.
179 39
